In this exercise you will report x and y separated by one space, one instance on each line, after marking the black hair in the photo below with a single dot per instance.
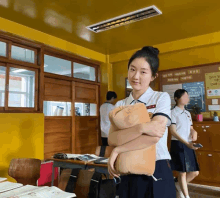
179 93
110 95
151 56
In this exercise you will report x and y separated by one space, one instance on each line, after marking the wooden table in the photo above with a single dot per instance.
71 164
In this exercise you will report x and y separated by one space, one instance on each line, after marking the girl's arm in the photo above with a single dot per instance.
155 128
144 141
194 134
176 135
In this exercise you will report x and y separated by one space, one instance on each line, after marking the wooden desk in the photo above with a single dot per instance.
71 164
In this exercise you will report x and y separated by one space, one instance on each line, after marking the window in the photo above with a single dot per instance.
84 72
2 48
2 85
22 54
21 88
57 65
55 108
85 109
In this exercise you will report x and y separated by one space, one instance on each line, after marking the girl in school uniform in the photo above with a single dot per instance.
142 70
182 149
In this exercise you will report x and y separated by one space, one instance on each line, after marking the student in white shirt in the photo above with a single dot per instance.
142 70
182 149
104 115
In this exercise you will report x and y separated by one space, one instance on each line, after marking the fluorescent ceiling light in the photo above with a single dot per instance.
125 19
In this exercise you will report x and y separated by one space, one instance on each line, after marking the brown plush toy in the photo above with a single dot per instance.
139 161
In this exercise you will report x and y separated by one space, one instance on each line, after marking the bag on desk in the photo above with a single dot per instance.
87 184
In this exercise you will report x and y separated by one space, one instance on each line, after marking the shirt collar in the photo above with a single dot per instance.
178 110
143 98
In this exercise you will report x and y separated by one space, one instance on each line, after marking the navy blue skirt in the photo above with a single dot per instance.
165 186
142 186
135 186
183 158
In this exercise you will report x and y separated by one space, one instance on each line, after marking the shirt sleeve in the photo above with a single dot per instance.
173 117
119 103
163 107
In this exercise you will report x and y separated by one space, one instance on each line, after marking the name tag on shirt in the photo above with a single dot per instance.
151 107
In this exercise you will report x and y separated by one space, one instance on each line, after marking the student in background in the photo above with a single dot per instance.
142 70
104 115
182 149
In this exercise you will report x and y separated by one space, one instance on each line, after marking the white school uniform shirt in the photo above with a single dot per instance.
157 103
105 122
183 121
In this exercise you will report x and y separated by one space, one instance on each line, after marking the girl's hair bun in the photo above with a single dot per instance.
150 49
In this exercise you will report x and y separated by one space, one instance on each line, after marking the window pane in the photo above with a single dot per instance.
22 54
85 109
2 49
84 72
2 86
57 65
54 108
21 88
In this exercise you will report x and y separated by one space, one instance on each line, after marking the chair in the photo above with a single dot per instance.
108 151
25 170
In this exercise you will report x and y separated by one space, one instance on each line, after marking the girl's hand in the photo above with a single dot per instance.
111 162
190 145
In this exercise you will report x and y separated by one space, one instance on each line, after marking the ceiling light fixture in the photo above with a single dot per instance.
125 19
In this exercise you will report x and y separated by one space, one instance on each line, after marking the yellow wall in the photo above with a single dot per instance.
21 136
106 79
104 82
169 60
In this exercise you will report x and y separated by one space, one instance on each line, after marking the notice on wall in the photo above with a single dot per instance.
170 89
196 92
213 84
214 101
214 107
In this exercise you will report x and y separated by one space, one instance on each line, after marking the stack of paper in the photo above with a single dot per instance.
18 191
37 192
5 186
2 179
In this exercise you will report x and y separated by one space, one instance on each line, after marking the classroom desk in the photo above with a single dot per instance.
63 163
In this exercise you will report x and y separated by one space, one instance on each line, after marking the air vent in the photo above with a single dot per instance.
125 19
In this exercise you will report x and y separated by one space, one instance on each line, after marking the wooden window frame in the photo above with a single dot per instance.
4 65
73 59
48 74
6 52
89 65
20 109
40 50
24 47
